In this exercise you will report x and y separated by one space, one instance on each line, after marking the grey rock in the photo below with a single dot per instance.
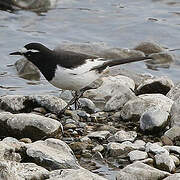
173 149
164 162
51 103
111 86
173 133
87 105
75 174
140 171
149 47
27 70
160 60
117 149
160 85
174 93
175 176
98 148
154 120
11 170
13 142
29 125
175 159
66 95
52 154
117 101
155 148
99 134
114 53
134 108
175 113
122 136
8 152
14 103
137 155
37 6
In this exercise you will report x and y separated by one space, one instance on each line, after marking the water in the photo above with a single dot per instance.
116 23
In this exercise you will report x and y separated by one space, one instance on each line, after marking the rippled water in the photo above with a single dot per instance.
116 23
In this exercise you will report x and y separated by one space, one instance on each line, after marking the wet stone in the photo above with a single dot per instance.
175 159
166 140
173 149
149 47
175 176
27 70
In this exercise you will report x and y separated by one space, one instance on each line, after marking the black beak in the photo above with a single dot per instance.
16 53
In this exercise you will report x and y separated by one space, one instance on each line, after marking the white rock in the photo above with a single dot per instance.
137 155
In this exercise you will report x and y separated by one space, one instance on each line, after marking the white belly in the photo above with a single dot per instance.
75 79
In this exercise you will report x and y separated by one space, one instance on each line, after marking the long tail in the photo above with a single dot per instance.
116 62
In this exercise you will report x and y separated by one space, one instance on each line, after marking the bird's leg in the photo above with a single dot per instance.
73 100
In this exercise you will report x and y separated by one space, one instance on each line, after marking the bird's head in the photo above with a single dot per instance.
34 52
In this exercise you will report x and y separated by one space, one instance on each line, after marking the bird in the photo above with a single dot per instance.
68 70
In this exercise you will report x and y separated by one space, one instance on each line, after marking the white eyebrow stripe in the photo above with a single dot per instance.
24 50
33 50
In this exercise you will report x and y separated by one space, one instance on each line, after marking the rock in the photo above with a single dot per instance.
166 140
137 155
52 154
117 149
99 134
122 136
51 103
78 147
149 47
66 95
175 176
173 149
117 101
38 6
14 103
27 70
160 85
11 170
160 60
164 162
155 148
14 143
75 174
134 108
87 105
111 86
7 152
29 125
175 159
98 148
139 170
175 113
174 93
154 120
173 133
119 53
